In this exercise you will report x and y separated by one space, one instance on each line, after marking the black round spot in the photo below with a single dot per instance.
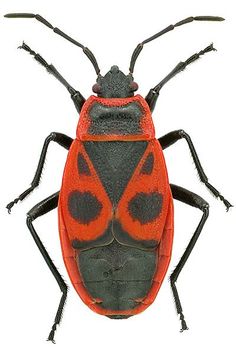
83 167
84 206
145 207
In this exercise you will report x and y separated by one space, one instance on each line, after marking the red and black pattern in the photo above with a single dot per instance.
119 195
85 205
115 206
144 204
110 119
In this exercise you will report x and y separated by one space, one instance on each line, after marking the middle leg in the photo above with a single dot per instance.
171 138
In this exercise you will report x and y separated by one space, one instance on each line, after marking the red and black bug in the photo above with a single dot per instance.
115 205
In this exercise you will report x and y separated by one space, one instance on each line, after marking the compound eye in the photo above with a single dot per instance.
134 86
96 88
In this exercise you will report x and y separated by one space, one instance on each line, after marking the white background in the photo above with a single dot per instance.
200 100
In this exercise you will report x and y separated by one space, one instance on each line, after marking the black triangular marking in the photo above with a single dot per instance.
115 162
82 165
148 165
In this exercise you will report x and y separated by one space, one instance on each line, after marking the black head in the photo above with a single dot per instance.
115 84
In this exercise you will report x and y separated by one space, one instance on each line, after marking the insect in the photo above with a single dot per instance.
115 205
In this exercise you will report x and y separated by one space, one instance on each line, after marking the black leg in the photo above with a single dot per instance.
76 96
176 135
194 200
153 94
59 138
40 209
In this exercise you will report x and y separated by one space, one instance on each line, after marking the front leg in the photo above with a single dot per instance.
153 94
59 138
76 96
171 138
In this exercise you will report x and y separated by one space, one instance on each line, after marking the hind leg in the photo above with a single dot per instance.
196 201
38 210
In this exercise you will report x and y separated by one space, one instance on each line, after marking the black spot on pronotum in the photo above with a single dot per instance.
84 206
145 207
118 120
148 164
83 167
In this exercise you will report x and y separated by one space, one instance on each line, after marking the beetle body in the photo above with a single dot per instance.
115 208
115 205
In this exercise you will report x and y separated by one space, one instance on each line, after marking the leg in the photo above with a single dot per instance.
153 94
76 96
176 135
40 209
194 200
59 138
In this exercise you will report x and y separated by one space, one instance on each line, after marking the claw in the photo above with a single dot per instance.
226 203
52 334
184 326
11 204
51 340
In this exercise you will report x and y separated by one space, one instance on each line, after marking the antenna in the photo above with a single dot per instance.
139 47
39 18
